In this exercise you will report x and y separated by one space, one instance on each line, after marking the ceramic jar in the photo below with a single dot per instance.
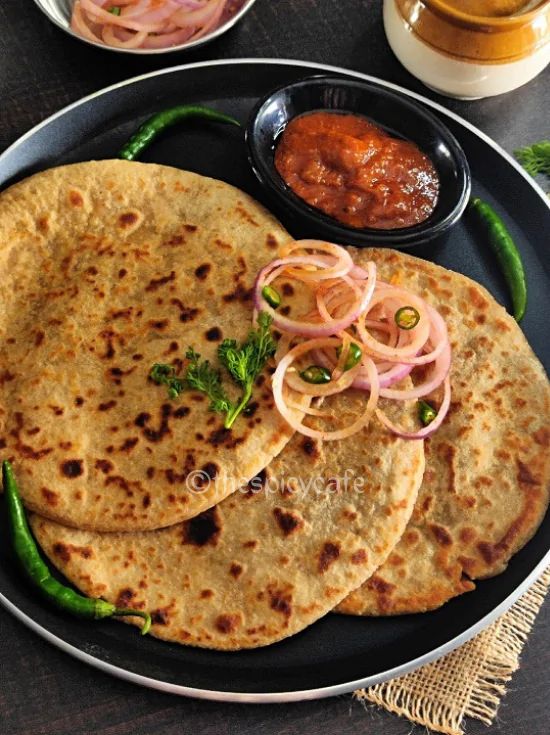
467 55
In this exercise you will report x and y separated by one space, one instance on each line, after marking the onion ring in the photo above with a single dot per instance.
142 24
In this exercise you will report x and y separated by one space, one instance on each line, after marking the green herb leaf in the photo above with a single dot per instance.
243 363
166 375
202 377
535 158
262 342
235 360
115 10
246 362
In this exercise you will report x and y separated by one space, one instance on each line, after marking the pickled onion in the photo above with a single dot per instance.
426 430
352 305
285 411
142 24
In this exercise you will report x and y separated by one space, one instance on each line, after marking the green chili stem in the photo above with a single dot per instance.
123 611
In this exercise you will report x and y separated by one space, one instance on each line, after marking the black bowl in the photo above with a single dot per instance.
399 115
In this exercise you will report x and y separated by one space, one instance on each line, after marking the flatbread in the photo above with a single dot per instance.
108 267
486 485
267 561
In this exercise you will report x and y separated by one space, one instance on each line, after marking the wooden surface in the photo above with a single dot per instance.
42 690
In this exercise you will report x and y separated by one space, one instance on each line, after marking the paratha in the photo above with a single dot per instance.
108 267
486 485
268 560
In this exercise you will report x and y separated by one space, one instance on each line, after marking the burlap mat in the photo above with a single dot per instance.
470 681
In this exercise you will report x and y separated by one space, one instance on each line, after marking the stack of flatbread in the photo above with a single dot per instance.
238 538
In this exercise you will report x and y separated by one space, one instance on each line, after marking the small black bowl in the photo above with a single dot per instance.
399 115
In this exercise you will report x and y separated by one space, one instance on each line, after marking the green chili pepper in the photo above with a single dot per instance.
26 551
315 374
506 252
355 353
272 296
407 317
152 127
426 413
115 10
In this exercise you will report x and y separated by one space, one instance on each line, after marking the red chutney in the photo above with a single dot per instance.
356 172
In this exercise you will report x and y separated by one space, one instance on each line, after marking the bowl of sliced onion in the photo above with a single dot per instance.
145 26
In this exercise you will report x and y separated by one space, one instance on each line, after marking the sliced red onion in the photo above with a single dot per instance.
397 373
355 298
294 381
358 272
172 38
131 40
198 17
278 381
426 430
147 12
103 16
341 267
295 326
361 381
417 336
147 23
441 369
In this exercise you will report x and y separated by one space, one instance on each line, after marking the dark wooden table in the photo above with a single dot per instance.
44 691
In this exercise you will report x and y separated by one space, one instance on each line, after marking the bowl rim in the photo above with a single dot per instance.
486 23
220 30
400 236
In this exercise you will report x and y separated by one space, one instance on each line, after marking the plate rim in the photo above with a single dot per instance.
289 62
334 689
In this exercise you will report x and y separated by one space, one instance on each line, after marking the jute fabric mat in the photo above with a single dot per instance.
468 682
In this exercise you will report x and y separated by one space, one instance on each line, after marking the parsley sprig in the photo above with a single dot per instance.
535 158
243 363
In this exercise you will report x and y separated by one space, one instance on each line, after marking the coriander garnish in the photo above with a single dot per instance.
535 158
243 363
166 375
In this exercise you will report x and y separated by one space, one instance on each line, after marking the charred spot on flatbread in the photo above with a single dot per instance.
203 529
288 521
328 555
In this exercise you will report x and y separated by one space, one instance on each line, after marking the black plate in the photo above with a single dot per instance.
338 653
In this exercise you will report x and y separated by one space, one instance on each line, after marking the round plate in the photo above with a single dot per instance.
337 654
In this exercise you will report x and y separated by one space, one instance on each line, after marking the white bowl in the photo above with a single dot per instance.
59 12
